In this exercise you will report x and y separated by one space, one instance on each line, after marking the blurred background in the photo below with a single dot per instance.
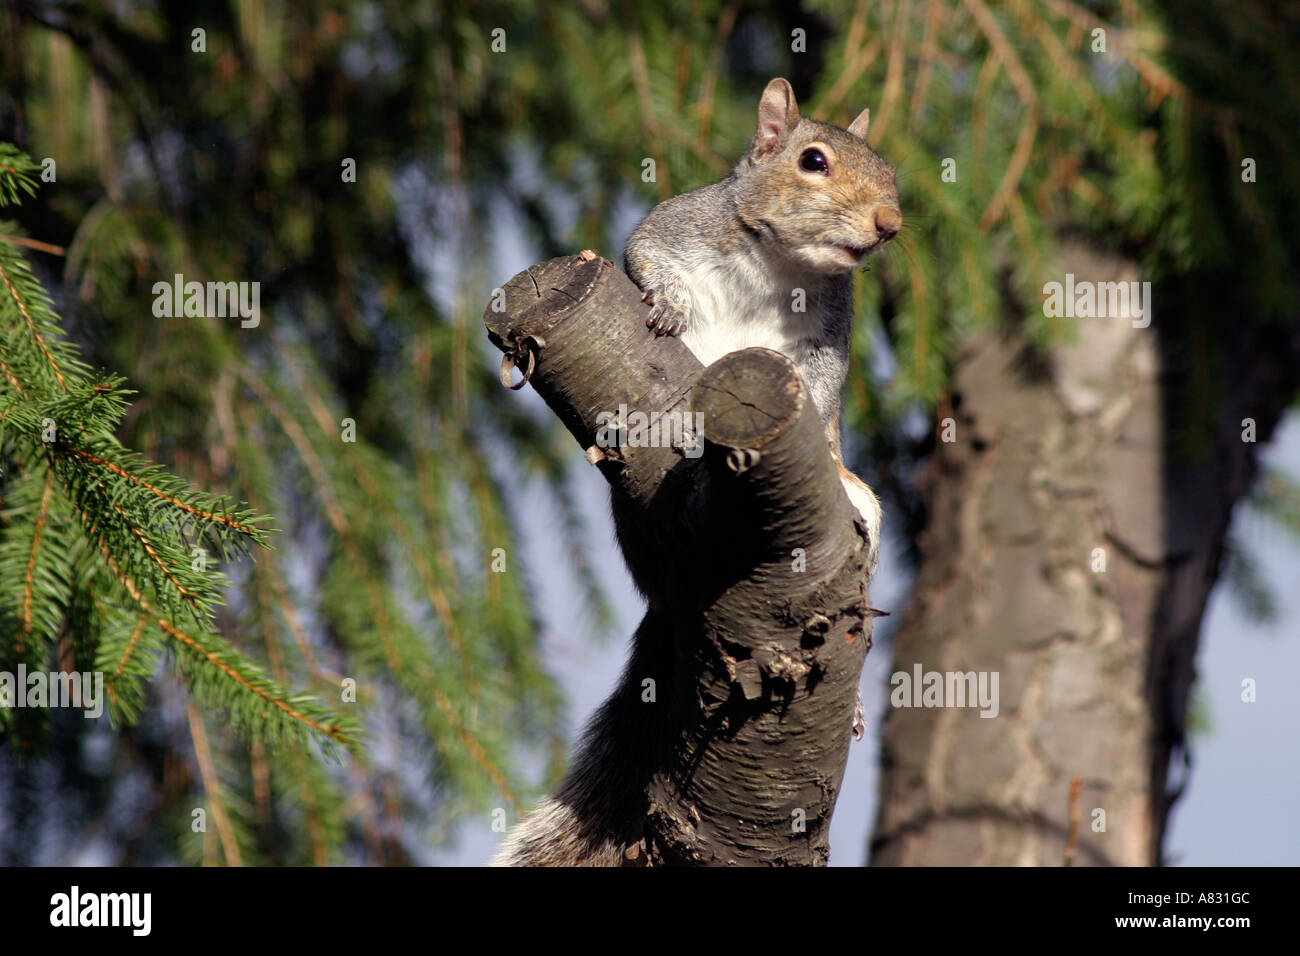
1105 514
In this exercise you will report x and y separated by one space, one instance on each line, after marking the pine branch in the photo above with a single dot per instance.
16 175
98 539
1277 496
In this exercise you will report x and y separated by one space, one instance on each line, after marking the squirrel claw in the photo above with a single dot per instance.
665 321
664 318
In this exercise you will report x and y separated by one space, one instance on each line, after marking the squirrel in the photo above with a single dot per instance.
723 267
720 266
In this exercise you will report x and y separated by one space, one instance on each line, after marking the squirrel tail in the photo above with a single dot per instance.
599 808
868 505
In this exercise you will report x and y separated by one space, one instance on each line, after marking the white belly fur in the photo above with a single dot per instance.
730 310
738 306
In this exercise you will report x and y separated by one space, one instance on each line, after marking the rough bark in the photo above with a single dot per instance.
753 564
1059 460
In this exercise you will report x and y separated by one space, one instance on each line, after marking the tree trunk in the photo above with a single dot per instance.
727 737
1075 528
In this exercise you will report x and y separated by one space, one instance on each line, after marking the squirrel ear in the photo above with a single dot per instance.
778 114
859 126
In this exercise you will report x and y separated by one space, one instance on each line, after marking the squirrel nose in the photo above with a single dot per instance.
888 221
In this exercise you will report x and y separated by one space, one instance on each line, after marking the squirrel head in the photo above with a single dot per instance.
815 193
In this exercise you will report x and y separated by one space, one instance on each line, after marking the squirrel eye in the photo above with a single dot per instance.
813 161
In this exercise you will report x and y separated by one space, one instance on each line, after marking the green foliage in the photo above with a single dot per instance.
1276 496
381 573
1247 584
100 544
16 170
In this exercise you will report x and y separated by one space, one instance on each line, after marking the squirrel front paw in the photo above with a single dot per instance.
666 317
